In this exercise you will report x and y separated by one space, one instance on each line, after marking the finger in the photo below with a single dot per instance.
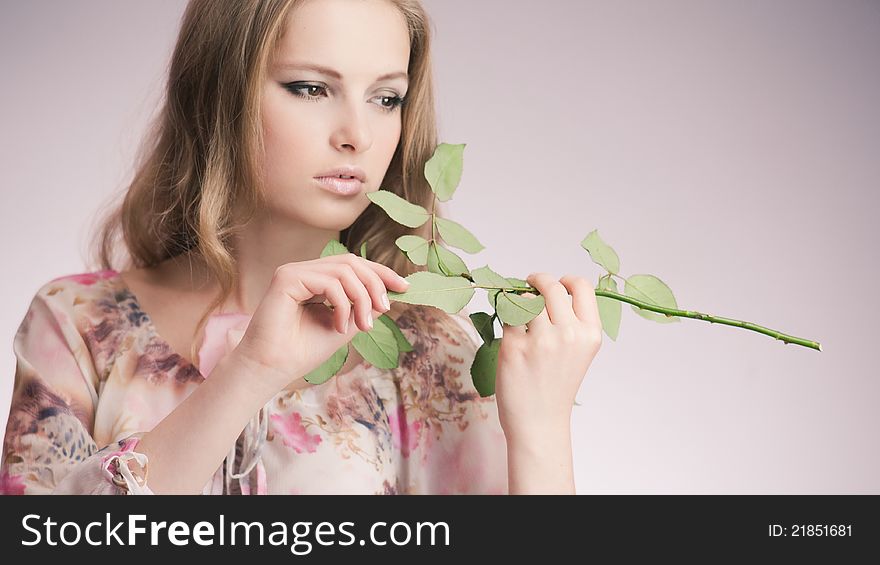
319 283
357 292
539 322
583 299
374 284
389 277
555 295
512 333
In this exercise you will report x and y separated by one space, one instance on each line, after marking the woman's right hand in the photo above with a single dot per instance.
293 332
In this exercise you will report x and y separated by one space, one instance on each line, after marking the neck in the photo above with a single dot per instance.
259 250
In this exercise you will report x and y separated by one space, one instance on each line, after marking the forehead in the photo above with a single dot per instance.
359 38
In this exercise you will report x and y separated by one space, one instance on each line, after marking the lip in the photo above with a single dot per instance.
345 187
347 170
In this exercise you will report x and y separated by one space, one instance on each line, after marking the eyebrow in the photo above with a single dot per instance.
336 74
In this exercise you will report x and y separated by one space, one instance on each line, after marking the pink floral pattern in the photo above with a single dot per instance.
404 436
11 484
92 375
293 434
87 279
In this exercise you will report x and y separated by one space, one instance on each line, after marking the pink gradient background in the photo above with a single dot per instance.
730 148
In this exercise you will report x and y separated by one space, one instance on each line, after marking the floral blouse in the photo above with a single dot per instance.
92 375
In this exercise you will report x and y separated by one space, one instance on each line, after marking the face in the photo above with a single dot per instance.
314 122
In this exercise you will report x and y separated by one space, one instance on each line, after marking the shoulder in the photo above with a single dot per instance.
82 309
71 298
68 287
62 296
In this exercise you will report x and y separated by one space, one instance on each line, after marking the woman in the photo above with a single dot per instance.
223 223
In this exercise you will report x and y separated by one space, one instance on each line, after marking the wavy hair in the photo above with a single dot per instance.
197 179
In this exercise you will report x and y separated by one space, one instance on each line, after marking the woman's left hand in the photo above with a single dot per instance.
541 365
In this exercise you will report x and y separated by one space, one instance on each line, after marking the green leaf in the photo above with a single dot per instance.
400 210
484 367
492 295
364 250
377 346
456 235
444 262
451 263
483 323
443 169
601 253
333 247
433 261
652 290
403 344
415 247
484 276
518 282
609 309
328 368
516 310
450 294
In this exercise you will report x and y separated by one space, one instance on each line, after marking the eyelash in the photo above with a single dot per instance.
296 90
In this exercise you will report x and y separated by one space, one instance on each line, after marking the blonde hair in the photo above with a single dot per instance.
197 180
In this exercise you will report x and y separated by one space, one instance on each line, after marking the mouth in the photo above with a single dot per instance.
340 185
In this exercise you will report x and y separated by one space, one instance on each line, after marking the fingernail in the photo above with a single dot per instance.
385 302
403 280
370 321
345 327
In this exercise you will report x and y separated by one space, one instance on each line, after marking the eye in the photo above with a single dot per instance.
396 102
302 90
297 89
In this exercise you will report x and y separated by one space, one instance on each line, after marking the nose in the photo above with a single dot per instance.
353 130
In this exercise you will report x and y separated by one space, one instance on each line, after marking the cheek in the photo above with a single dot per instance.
394 137
285 134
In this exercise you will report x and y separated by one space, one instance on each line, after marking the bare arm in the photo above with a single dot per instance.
541 463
